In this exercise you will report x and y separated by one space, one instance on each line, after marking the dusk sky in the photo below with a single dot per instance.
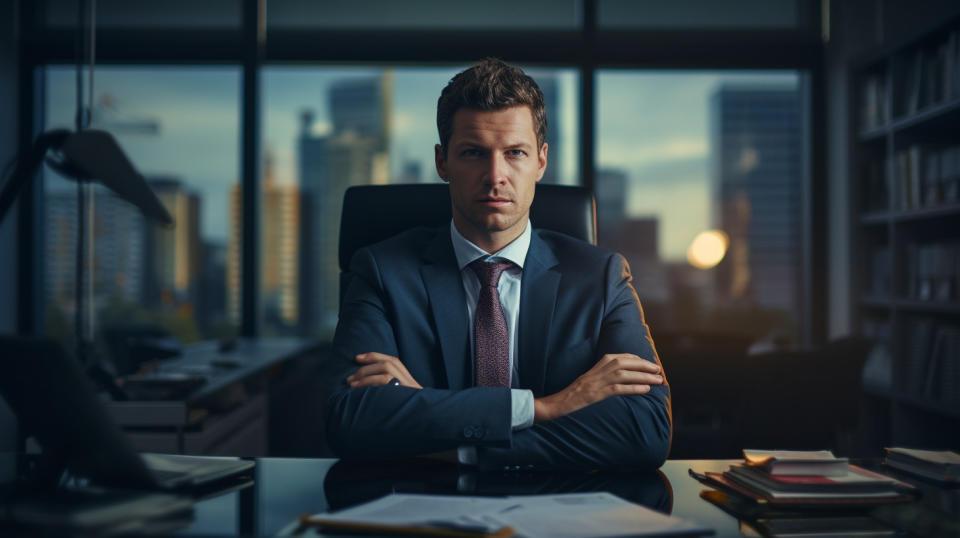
652 124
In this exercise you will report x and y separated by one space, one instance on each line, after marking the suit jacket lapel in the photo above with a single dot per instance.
538 295
441 277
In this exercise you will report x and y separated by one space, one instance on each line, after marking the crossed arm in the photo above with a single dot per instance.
616 414
618 374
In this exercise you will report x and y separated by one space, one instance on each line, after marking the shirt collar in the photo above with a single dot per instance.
467 252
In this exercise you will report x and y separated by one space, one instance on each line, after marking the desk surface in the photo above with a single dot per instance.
285 488
282 489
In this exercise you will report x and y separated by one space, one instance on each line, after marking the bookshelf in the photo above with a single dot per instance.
905 184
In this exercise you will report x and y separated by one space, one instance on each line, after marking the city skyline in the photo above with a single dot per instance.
325 129
199 108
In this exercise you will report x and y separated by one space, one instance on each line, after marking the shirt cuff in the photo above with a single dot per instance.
467 455
521 409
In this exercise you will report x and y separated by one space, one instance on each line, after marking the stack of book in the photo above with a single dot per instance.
940 465
803 493
804 480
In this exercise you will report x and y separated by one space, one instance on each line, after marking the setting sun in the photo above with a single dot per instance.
707 249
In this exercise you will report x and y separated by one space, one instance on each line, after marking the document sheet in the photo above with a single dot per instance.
560 515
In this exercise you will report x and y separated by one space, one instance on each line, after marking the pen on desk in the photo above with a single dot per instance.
507 509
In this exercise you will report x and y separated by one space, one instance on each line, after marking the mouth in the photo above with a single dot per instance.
494 201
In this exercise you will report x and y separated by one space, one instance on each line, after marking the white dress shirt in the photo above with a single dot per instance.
521 400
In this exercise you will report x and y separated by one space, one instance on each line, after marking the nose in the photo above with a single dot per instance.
496 173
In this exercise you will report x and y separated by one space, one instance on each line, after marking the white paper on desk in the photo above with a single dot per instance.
410 509
561 515
591 514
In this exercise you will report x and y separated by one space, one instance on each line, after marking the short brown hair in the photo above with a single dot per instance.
490 85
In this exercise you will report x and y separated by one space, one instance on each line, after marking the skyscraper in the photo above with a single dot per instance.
549 88
354 153
756 158
173 254
117 249
280 234
280 244
611 190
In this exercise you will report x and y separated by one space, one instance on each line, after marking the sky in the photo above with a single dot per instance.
652 124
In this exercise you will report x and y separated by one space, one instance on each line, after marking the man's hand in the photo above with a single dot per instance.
378 369
613 375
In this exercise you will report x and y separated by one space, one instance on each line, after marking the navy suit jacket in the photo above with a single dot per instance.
405 298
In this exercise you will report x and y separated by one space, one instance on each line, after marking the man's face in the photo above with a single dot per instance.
492 165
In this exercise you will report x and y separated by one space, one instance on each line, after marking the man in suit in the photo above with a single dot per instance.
517 347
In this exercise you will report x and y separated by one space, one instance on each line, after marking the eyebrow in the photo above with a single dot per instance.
473 143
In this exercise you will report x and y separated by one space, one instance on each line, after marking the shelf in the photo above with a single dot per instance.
923 213
876 301
913 401
926 306
916 305
943 113
874 134
911 215
874 218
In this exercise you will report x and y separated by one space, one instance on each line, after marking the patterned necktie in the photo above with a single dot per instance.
491 342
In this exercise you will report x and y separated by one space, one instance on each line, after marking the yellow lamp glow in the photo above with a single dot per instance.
707 249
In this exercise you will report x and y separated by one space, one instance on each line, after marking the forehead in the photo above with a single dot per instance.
513 125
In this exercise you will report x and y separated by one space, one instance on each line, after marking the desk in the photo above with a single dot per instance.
284 488
228 414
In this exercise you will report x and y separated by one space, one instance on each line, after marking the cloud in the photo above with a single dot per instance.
627 154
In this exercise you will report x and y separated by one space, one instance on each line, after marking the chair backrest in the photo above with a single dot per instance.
372 213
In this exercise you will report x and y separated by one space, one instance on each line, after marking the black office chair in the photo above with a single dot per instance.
372 213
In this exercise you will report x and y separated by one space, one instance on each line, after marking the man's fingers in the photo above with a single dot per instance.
626 361
374 357
372 380
369 370
380 369
634 377
621 389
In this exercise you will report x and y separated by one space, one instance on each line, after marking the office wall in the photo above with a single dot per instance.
856 28
8 137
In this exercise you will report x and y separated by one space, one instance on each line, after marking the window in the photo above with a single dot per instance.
681 155
328 128
180 128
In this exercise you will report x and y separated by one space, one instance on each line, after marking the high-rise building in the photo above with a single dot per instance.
354 153
234 249
173 254
280 234
361 106
117 249
549 87
756 158
280 244
612 188
212 298
61 248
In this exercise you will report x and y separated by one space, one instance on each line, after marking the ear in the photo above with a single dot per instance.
542 161
441 162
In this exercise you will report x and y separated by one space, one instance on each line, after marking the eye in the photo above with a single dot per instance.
470 152
517 153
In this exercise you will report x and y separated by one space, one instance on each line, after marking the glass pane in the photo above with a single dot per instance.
327 128
180 128
680 154
697 14
433 14
138 14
